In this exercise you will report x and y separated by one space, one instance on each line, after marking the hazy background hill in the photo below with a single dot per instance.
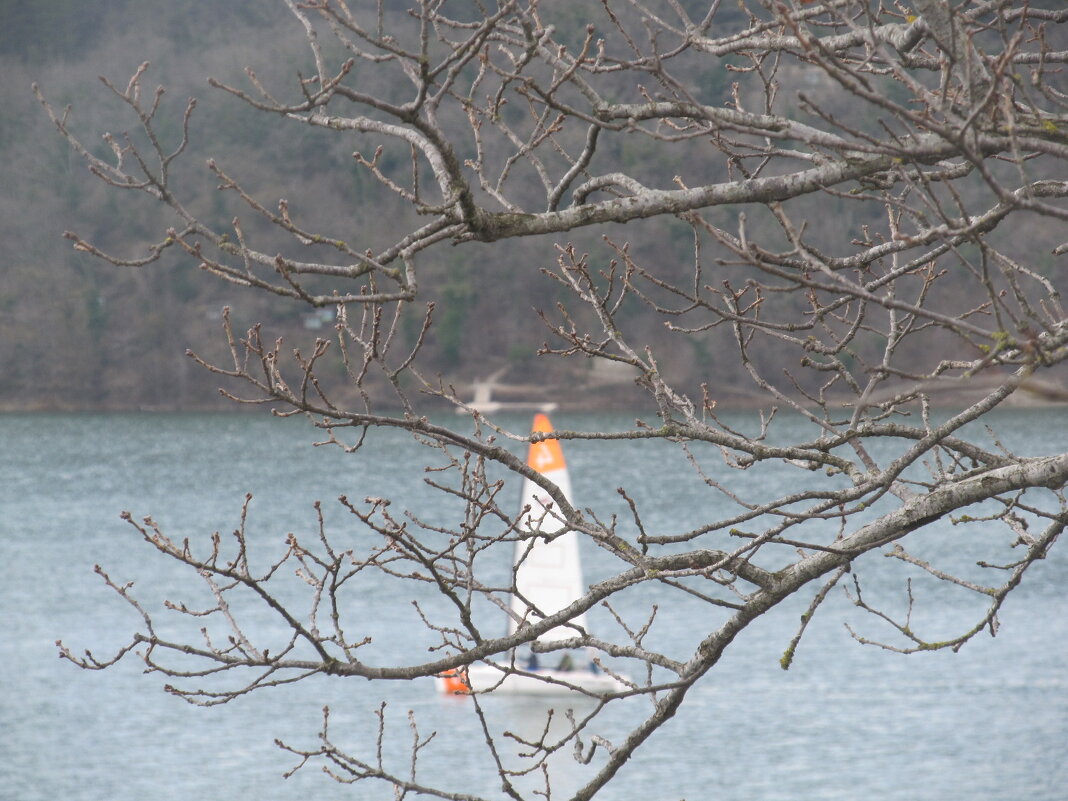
78 334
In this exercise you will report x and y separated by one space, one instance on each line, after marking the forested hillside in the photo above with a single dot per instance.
75 333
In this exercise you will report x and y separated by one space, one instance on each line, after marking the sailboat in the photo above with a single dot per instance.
548 578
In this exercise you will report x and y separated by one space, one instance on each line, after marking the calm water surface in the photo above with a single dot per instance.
845 722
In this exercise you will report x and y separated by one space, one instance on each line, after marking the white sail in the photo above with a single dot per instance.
548 572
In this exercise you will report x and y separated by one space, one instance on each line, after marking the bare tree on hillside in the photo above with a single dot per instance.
942 128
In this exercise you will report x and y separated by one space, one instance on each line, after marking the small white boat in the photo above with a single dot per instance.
549 576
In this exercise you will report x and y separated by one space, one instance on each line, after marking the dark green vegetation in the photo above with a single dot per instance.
77 334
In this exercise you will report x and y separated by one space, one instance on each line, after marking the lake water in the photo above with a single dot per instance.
845 722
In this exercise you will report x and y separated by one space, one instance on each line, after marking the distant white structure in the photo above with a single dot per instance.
482 401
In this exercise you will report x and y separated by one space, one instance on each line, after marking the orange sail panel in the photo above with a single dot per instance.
547 455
